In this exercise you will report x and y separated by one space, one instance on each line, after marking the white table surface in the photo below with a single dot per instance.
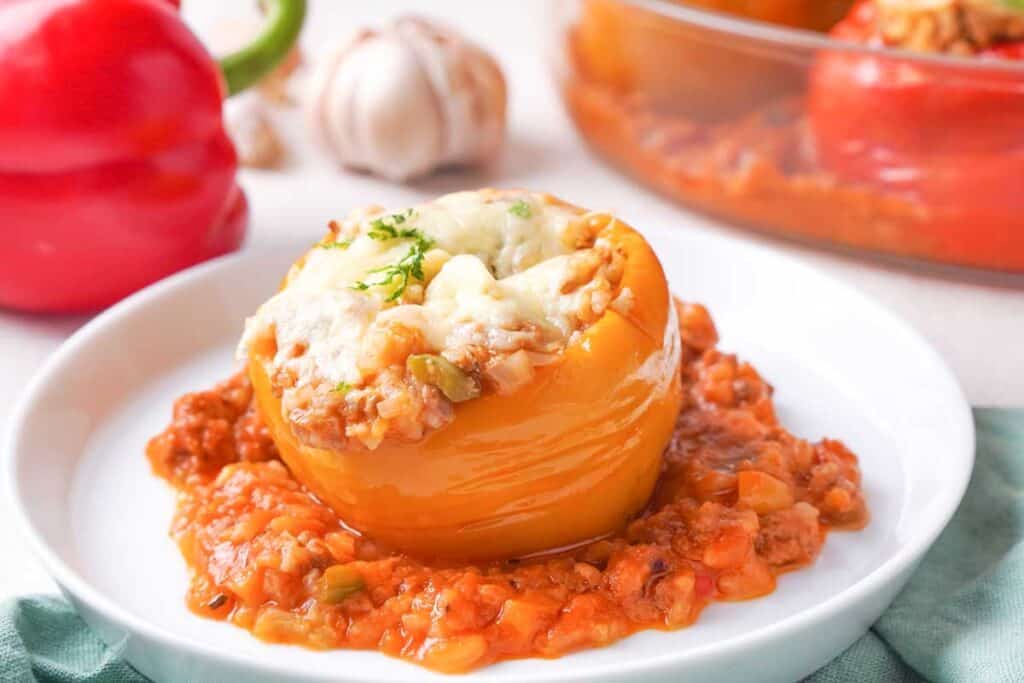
976 322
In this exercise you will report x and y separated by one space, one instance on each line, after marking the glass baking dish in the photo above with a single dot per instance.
789 131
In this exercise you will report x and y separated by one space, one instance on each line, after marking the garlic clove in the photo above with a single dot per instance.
252 131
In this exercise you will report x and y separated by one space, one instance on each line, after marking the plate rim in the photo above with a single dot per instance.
70 581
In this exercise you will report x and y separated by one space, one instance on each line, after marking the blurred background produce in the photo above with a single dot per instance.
787 116
115 168
407 99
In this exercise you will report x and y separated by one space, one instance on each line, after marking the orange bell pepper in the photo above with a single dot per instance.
567 458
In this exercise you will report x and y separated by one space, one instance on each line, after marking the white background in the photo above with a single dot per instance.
975 321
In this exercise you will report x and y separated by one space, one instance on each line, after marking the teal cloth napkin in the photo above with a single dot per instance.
960 619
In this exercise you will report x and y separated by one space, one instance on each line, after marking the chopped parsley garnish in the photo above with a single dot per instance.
409 266
386 227
342 388
339 244
521 209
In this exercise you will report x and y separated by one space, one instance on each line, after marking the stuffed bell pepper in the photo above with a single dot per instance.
490 374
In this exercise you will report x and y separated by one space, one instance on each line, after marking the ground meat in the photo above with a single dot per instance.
950 26
395 405
208 430
739 501
791 537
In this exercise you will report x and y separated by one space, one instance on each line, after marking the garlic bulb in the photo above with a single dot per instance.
405 100
953 26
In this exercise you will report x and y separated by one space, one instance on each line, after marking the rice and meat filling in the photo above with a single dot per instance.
397 315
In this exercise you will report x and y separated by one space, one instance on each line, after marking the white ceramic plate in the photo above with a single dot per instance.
842 366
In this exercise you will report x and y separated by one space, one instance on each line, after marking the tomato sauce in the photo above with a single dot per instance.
739 501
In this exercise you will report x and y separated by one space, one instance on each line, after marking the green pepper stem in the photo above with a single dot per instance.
254 61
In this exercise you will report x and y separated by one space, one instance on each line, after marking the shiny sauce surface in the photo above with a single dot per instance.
739 501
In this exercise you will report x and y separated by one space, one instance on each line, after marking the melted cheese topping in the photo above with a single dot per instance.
493 276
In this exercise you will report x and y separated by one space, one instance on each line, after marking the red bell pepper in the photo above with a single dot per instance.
115 168
947 136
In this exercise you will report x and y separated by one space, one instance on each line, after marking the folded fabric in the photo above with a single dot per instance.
960 619
43 639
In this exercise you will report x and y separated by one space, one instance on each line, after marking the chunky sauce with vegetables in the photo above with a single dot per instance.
739 501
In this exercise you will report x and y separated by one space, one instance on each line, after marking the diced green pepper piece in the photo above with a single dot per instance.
339 582
455 384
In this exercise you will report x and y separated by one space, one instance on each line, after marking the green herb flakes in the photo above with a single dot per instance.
338 244
387 227
520 208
